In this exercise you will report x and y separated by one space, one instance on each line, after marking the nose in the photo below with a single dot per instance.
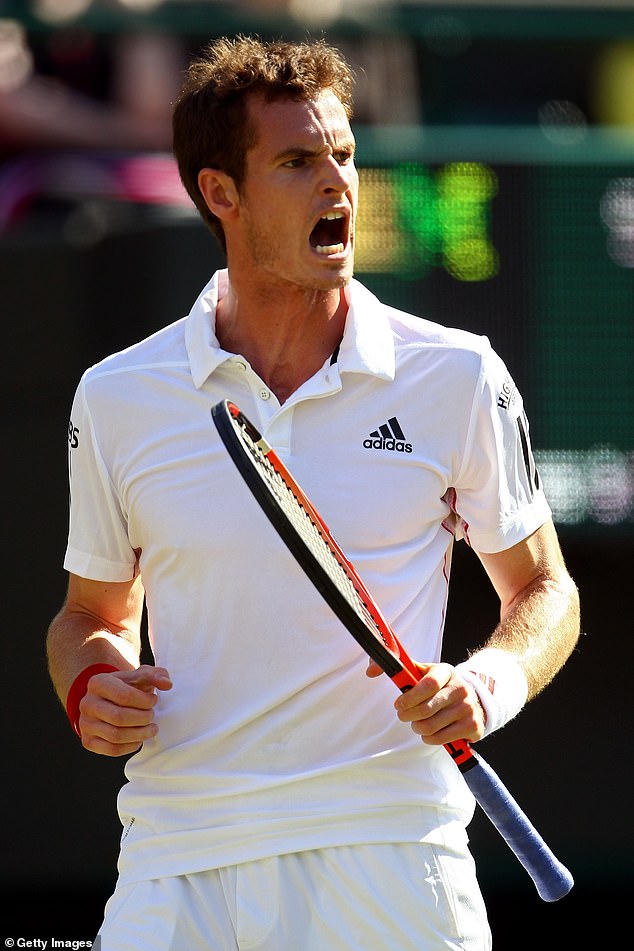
337 178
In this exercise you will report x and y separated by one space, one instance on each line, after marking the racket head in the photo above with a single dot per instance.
304 532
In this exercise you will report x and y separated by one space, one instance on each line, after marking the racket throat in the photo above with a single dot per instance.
263 446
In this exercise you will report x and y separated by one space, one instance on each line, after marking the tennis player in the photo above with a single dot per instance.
279 798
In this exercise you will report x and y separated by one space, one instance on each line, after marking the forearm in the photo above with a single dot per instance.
76 641
540 627
536 634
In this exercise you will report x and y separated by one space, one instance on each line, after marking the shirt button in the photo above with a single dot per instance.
265 394
240 365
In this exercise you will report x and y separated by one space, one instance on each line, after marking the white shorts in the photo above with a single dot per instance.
414 897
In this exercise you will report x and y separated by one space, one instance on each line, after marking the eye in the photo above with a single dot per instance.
295 162
344 156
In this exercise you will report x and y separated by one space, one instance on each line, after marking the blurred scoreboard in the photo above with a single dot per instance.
539 256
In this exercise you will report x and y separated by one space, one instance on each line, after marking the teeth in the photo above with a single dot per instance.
329 248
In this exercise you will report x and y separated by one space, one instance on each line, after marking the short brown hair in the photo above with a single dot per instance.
210 120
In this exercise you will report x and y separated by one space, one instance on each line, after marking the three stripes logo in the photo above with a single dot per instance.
388 436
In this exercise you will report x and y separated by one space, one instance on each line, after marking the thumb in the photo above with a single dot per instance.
373 669
148 678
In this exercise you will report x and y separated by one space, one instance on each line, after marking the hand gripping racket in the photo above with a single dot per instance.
309 540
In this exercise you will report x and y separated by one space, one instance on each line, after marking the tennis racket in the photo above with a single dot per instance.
304 532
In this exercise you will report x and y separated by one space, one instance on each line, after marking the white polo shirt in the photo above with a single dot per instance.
272 739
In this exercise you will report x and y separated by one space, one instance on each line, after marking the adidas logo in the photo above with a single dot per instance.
388 436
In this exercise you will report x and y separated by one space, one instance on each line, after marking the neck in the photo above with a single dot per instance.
286 334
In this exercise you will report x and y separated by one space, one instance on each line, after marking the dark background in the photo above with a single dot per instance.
83 274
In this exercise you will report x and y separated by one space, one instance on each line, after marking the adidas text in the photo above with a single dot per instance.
394 445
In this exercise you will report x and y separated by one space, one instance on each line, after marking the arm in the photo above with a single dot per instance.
539 606
539 627
100 623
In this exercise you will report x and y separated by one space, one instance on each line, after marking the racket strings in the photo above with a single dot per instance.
313 536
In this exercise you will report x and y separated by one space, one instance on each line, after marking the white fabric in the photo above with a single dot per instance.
272 739
500 684
425 899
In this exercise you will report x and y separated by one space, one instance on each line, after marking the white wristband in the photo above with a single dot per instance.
500 684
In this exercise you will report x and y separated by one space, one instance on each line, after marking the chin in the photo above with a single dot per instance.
334 284
335 278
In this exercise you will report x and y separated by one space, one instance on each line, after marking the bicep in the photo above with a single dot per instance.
533 561
114 606
99 623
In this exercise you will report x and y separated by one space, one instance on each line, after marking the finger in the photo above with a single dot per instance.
436 723
122 735
129 688
435 677
101 710
96 744
449 734
106 696
147 678
119 727
100 736
457 719
373 669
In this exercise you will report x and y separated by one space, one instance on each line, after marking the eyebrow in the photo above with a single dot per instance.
299 152
303 152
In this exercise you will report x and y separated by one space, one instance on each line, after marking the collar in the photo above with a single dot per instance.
203 348
367 345
368 342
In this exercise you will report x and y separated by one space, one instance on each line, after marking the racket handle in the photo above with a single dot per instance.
551 878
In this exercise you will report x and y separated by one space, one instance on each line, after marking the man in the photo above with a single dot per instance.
277 800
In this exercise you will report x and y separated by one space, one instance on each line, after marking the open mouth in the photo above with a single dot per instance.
330 234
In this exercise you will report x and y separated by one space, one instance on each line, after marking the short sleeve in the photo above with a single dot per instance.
498 496
98 544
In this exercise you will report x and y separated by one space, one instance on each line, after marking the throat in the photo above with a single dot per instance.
292 345
285 378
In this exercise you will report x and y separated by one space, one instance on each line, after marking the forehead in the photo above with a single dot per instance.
307 122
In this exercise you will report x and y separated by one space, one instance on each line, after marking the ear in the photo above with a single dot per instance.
219 191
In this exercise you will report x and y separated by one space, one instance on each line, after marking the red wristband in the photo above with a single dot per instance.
79 687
